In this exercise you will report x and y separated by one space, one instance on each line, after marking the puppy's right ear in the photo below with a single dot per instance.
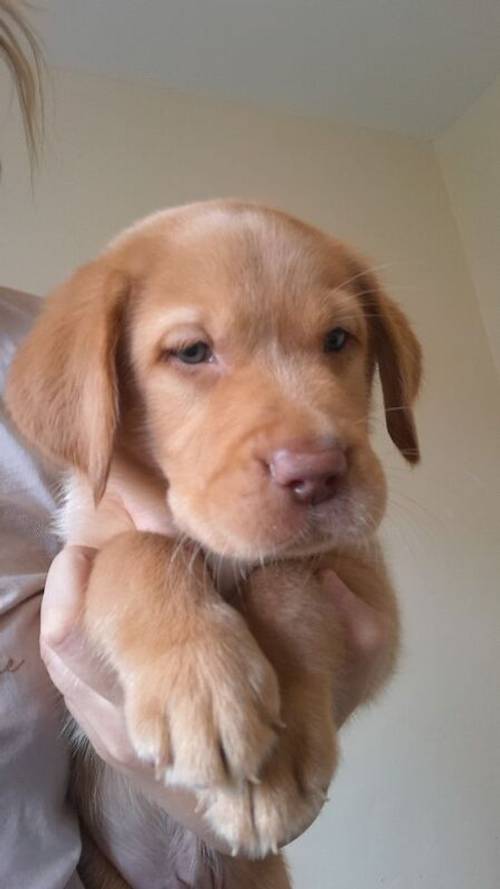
62 388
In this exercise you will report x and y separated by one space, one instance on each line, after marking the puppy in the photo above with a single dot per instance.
207 382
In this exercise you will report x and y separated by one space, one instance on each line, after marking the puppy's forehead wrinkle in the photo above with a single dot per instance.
281 260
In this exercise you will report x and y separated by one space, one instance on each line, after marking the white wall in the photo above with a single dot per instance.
415 803
469 152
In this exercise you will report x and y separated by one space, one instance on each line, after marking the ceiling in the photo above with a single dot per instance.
411 66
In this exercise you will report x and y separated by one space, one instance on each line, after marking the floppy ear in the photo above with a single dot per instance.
62 388
397 352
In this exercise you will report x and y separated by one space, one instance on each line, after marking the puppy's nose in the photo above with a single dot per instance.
311 475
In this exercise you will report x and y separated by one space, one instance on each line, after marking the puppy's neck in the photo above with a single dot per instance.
135 498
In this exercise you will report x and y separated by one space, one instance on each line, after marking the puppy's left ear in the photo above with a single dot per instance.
396 351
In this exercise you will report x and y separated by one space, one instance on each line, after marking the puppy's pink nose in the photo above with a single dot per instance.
311 475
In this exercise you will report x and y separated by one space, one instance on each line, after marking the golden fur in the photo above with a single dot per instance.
213 615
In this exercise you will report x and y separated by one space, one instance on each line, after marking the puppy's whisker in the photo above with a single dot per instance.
367 270
179 547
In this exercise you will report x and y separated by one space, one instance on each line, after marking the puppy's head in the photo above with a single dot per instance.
232 349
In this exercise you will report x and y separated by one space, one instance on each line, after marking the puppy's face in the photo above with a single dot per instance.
248 343
251 353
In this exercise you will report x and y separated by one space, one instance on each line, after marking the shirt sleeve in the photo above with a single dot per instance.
39 836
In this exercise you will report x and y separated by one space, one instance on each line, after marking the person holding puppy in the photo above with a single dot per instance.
44 664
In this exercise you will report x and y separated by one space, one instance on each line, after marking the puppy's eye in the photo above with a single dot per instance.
195 353
336 339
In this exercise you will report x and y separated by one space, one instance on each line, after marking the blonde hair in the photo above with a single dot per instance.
20 49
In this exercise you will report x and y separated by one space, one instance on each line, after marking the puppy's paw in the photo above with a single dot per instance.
205 712
256 819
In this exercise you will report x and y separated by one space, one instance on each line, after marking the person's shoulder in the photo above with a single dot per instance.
18 310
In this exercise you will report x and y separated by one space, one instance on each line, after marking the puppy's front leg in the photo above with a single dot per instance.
270 873
297 628
296 624
201 699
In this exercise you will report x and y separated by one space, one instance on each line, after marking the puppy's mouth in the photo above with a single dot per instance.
347 517
273 525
